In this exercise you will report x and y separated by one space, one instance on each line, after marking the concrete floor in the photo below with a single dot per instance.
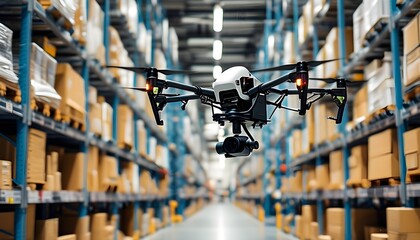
221 222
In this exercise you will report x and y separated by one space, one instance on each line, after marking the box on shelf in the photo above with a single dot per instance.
72 171
308 216
298 227
314 231
6 69
379 236
98 224
127 221
373 229
131 170
403 236
92 169
326 129
46 229
336 170
381 88
289 52
332 50
358 28
79 226
412 35
403 220
360 105
142 143
36 156
6 175
125 127
374 11
106 120
66 8
322 173
412 151
95 28
383 155
297 142
411 69
80 21
8 225
108 175
358 163
360 219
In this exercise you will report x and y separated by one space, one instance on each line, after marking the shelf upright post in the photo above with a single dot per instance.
107 23
318 159
342 126
23 126
396 72
83 209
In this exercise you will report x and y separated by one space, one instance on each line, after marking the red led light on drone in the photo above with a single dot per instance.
147 87
299 82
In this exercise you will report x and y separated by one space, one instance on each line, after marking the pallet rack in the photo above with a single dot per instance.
338 13
30 18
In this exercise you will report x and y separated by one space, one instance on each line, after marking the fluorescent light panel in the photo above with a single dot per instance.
217 70
217 49
217 18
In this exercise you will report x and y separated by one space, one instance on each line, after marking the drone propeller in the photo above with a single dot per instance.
142 89
289 67
334 80
148 69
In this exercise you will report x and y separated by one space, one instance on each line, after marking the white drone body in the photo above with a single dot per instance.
235 78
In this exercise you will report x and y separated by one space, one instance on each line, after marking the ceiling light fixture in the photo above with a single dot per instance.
217 49
217 18
217 70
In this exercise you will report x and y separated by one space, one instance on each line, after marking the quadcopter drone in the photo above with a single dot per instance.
242 98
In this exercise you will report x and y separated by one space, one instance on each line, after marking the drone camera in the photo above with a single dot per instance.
236 146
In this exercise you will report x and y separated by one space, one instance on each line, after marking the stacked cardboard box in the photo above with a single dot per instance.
53 182
358 162
6 70
142 143
305 21
412 51
297 143
360 105
108 174
289 51
93 169
129 9
412 151
326 129
66 8
127 221
309 176
106 119
360 218
336 170
36 156
374 11
298 227
332 50
383 155
100 227
308 133
6 175
80 20
7 225
131 171
95 118
314 231
70 85
125 126
322 173
308 216
46 229
74 225
71 166
95 48
358 28
403 223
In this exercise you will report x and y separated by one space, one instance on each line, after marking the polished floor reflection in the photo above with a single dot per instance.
221 222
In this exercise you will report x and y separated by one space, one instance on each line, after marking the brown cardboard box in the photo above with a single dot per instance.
8 225
403 220
36 156
373 229
412 35
108 175
378 236
95 118
321 123
297 143
403 236
67 237
411 69
298 226
6 175
79 226
358 163
360 218
72 171
93 179
98 224
80 19
336 169
322 176
383 143
412 151
360 108
57 181
106 116
49 184
125 125
46 229
52 163
332 50
308 216
127 220
314 231
30 221
324 237
385 166
70 86
93 162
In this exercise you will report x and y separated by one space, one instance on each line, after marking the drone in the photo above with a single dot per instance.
243 99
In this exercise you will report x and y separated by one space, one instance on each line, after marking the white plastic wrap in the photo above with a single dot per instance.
6 56
67 8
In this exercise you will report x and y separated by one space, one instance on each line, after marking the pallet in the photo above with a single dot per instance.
35 186
376 28
412 94
385 182
56 14
379 114
74 118
10 90
356 183
46 109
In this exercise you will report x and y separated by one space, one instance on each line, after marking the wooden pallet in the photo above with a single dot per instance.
412 94
74 118
355 183
385 182
46 109
10 90
380 113
56 15
376 28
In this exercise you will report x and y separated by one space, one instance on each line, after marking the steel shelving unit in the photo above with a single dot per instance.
31 19
338 13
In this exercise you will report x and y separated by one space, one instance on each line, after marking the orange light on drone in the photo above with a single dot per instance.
147 87
299 82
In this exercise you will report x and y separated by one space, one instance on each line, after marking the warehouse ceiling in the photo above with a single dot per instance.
243 25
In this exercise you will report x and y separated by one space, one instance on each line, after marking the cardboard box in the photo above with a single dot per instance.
383 143
52 163
297 143
314 231
46 229
36 156
72 171
403 220
384 166
49 184
412 150
412 35
360 219
95 119
403 236
336 169
322 176
360 105
374 11
8 225
127 220
6 175
106 116
411 69
125 125
332 50
79 226
298 226
71 87
324 237
373 229
358 28
358 163
378 236
57 181
308 216
67 237
98 224
108 175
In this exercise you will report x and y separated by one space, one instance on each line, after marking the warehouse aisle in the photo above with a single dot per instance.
221 222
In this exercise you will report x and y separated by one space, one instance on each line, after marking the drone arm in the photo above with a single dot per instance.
264 87
161 99
195 89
